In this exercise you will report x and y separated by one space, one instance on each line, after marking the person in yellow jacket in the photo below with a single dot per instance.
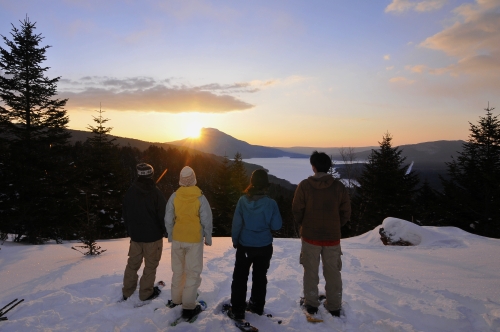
188 220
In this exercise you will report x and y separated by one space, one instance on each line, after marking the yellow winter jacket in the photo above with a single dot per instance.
187 226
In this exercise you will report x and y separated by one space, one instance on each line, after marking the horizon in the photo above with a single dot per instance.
276 74
270 146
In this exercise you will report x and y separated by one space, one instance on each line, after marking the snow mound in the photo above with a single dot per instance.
424 236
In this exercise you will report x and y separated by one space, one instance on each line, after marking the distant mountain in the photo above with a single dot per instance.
215 141
429 158
79 135
329 151
427 152
434 152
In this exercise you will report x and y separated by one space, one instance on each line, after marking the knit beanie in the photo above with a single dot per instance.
145 170
187 177
259 179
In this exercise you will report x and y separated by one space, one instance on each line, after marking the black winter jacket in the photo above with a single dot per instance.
144 210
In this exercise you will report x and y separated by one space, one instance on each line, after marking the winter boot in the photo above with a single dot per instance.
187 314
171 304
236 315
335 313
310 309
256 309
156 292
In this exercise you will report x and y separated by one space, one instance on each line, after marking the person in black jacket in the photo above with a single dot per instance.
143 213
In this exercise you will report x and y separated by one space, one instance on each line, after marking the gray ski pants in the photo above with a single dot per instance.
332 265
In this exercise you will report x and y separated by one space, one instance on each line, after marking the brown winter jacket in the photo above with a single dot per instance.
321 205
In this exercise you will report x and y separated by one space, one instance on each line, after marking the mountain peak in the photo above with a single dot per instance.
212 140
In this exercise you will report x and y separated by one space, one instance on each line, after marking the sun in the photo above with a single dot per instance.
193 131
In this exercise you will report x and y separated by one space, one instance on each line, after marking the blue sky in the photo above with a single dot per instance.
275 73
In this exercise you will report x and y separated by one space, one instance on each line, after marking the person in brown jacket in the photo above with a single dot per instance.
321 205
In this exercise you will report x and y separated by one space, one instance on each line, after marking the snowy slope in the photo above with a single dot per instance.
449 282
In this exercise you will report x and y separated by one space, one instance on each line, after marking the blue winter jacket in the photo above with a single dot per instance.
253 221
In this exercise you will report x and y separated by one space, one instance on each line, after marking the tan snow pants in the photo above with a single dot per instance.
332 265
187 264
151 253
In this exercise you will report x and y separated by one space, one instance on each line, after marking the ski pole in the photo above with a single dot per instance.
7 306
3 313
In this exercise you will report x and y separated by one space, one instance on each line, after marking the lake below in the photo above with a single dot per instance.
293 170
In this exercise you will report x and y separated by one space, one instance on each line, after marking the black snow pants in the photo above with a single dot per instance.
260 258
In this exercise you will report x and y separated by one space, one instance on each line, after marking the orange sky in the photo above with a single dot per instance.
273 73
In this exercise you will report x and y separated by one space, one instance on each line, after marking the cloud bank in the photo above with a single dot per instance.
399 6
150 95
471 42
474 39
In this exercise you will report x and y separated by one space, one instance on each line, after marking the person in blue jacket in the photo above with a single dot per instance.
256 215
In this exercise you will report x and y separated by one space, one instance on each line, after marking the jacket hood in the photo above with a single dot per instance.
188 192
144 185
256 203
321 180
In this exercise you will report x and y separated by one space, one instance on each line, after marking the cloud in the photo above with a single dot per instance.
473 41
478 30
387 57
419 69
236 87
401 80
400 6
149 95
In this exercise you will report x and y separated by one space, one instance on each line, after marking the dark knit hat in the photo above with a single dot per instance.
145 170
259 179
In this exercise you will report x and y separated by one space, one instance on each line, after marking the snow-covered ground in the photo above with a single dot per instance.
450 281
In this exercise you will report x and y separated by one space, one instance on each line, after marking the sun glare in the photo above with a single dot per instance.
193 131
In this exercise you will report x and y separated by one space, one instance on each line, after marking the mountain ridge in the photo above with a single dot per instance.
214 141
220 144
429 158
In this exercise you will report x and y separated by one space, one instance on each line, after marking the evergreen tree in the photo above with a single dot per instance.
88 231
33 121
427 206
223 208
284 198
102 180
386 189
472 193
239 177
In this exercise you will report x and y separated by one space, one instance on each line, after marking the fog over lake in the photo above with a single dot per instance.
293 170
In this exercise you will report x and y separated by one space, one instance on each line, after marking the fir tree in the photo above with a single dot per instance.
88 231
427 206
239 177
34 124
385 188
472 193
102 179
223 208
